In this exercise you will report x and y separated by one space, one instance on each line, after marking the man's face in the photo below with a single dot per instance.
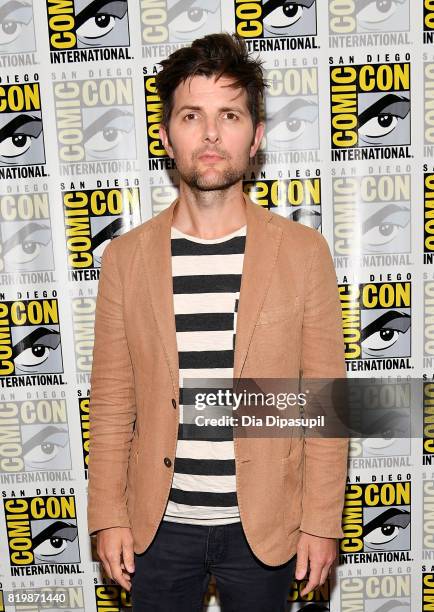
210 135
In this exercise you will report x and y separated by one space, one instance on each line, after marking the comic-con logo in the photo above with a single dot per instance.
178 21
428 319
428 21
157 155
369 18
83 409
376 521
94 217
101 27
83 321
26 234
380 408
315 601
291 109
371 215
41 530
427 591
369 593
428 423
111 597
296 199
428 204
30 340
370 110
34 436
18 29
162 195
428 84
21 133
95 121
268 18
376 321
428 518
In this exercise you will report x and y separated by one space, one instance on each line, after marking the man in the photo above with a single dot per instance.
214 286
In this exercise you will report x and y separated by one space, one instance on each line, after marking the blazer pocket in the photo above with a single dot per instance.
285 310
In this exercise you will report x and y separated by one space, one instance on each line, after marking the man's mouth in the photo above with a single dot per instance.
210 156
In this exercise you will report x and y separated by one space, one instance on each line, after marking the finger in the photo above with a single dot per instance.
310 586
123 580
128 557
301 566
314 576
118 575
324 573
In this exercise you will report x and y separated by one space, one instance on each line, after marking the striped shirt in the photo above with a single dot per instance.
206 277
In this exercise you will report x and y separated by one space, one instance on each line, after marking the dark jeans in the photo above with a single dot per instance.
173 573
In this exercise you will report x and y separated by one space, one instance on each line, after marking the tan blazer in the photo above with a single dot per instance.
289 322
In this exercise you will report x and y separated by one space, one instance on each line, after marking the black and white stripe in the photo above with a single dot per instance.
206 285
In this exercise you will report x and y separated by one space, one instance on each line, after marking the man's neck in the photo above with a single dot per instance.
209 214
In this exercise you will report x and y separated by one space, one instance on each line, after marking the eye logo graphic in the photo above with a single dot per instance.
297 199
31 337
292 109
92 219
376 519
41 530
39 436
84 24
269 18
95 120
21 134
178 21
368 16
372 214
25 233
17 32
370 106
376 320
382 409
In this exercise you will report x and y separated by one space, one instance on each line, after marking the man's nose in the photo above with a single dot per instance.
211 130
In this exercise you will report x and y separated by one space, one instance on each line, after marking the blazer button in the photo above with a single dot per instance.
173 402
167 461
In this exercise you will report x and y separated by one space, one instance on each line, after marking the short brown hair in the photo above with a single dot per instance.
214 54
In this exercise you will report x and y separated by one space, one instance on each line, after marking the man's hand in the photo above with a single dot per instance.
115 549
320 554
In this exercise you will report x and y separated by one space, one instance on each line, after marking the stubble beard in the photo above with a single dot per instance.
196 181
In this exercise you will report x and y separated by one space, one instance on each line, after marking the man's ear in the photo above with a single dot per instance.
164 137
259 134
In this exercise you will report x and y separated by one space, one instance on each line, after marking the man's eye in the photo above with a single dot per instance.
190 116
231 116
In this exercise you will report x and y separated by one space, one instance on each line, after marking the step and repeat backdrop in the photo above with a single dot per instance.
348 150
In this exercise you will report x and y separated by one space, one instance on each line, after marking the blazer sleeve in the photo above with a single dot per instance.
323 356
112 407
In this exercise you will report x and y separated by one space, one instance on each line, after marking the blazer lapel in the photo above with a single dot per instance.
262 244
157 262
